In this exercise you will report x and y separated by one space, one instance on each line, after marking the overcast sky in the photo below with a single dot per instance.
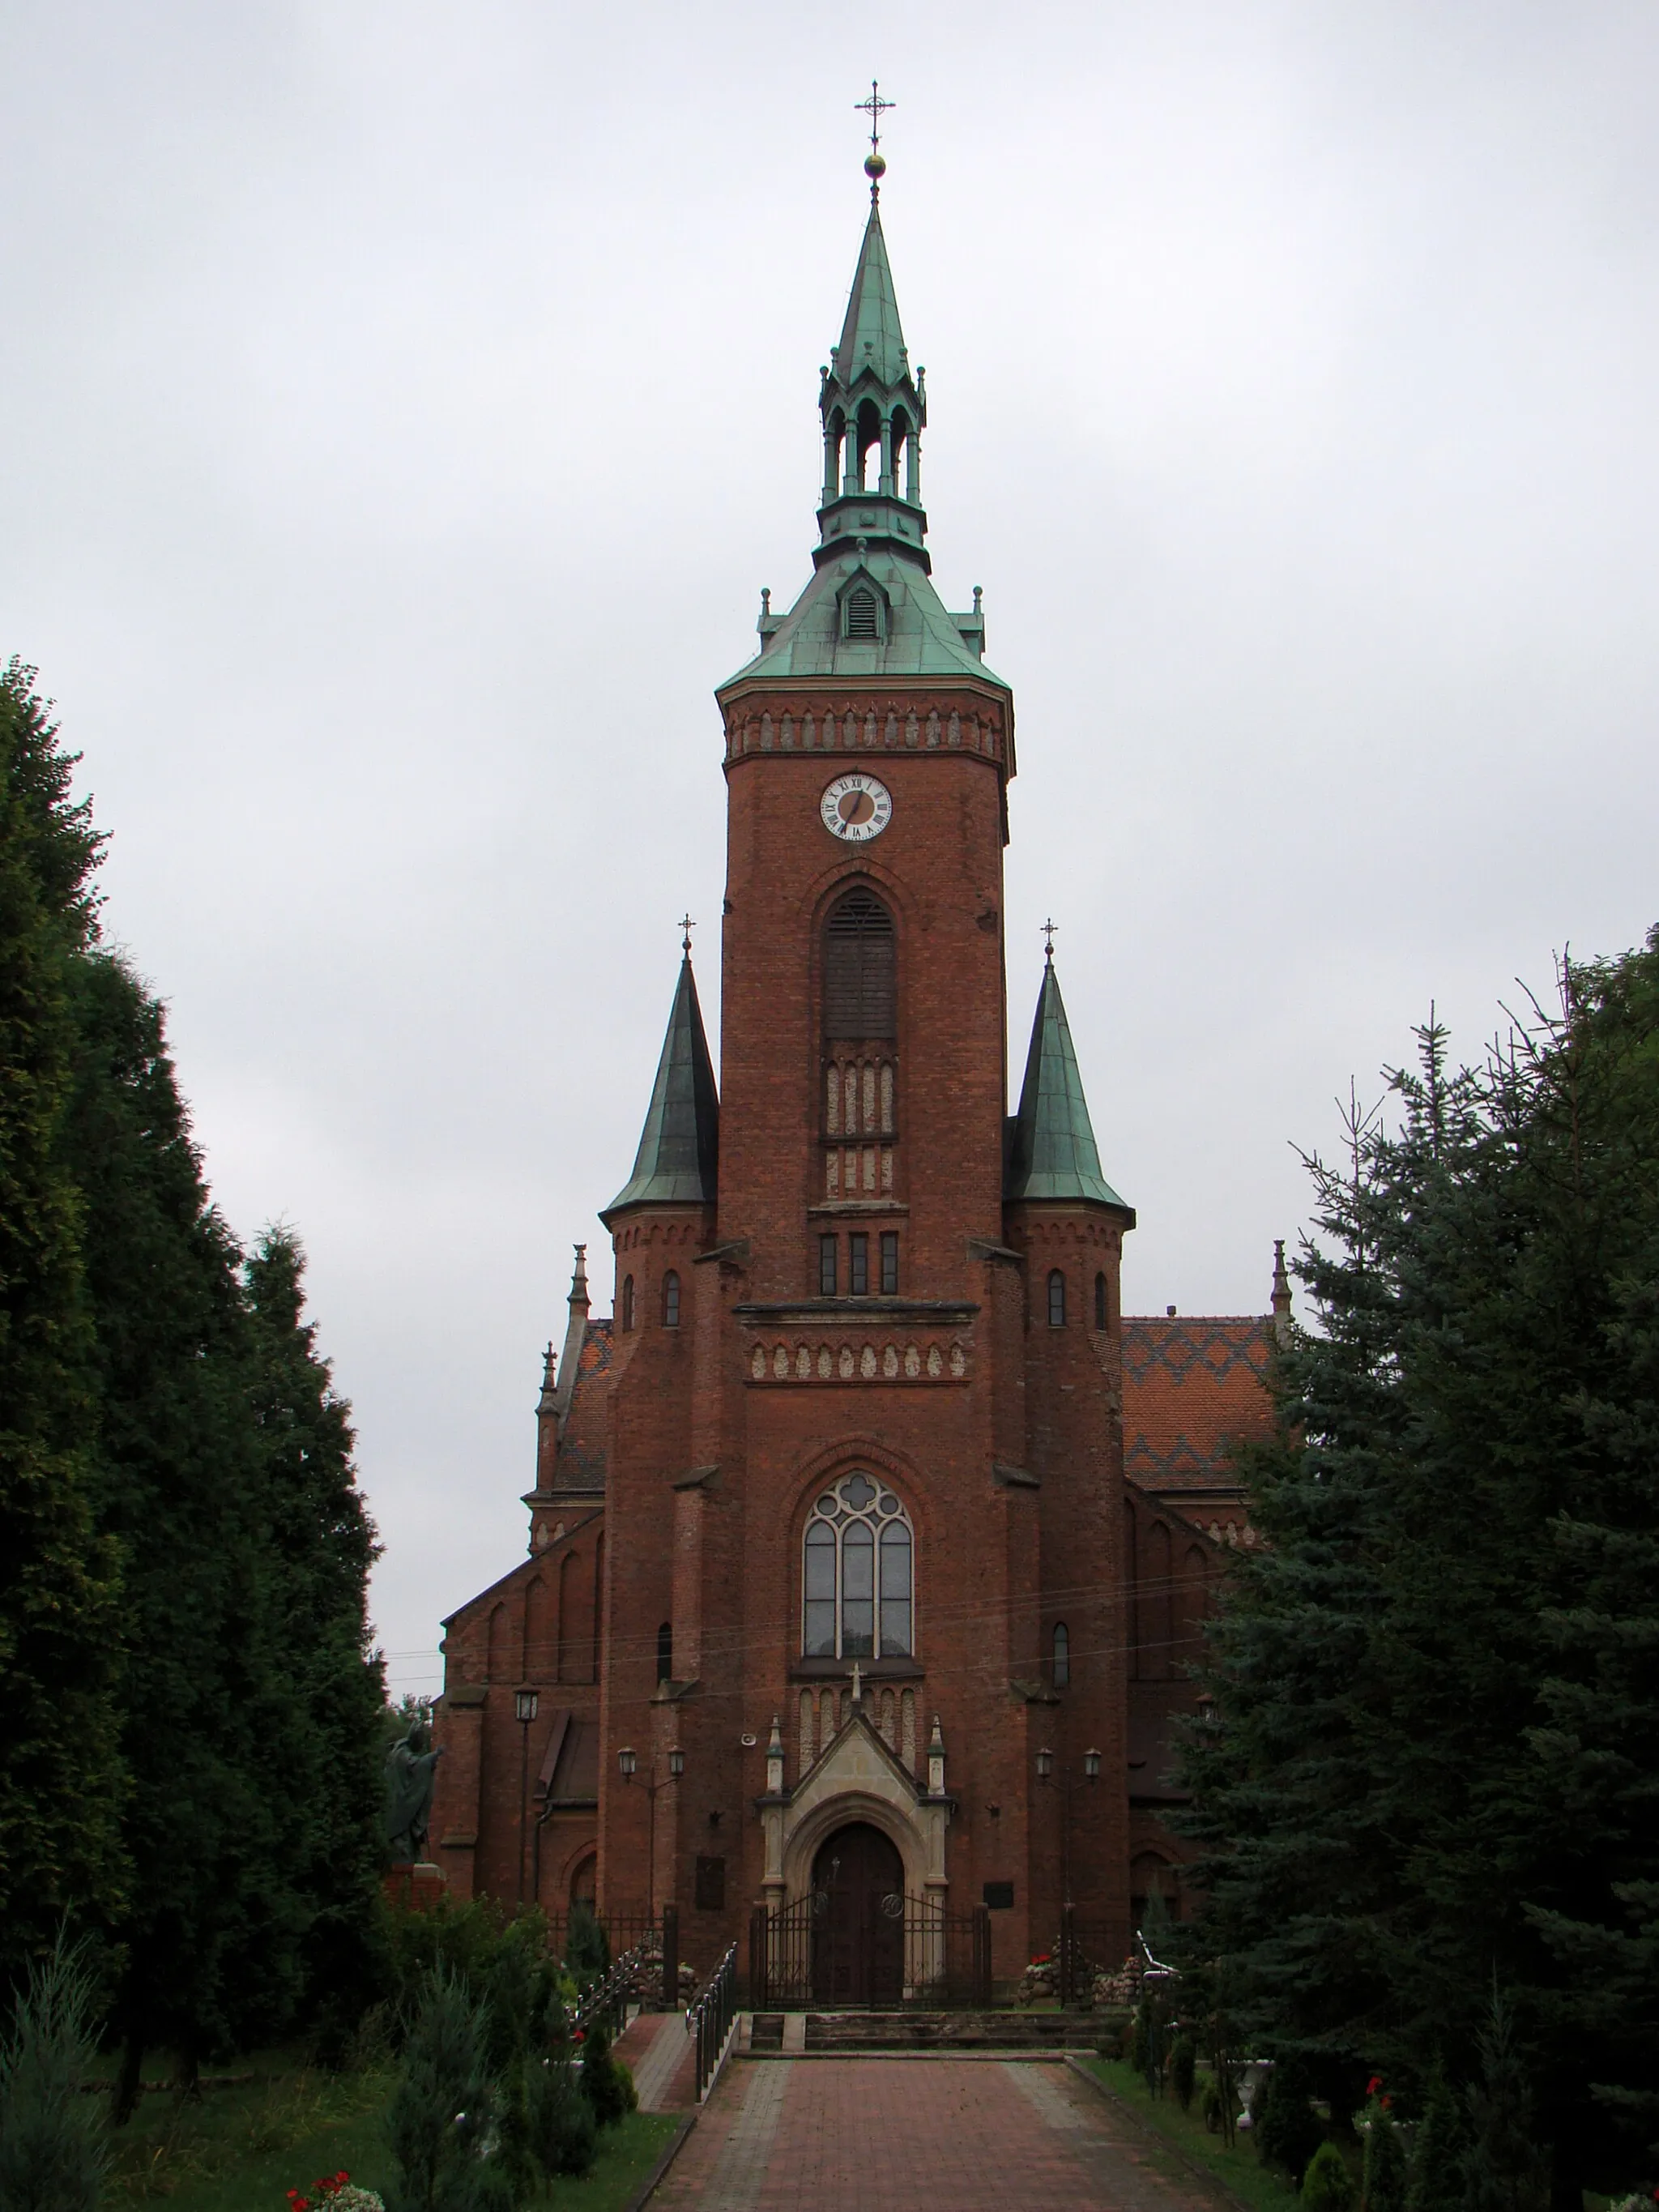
405 405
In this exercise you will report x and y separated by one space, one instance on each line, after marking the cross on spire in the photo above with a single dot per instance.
687 925
1048 929
875 107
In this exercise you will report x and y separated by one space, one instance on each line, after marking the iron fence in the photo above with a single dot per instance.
712 2015
872 1953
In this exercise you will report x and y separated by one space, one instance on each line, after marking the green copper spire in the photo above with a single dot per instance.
872 342
679 1146
1053 1154
870 608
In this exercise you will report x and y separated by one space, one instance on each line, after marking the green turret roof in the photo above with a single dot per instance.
870 337
679 1147
1052 1152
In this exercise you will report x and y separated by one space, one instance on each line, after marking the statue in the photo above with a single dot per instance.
409 1780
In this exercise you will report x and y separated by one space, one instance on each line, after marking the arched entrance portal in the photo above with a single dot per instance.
858 1928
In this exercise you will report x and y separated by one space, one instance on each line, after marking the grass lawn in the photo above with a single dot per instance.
1239 2169
241 2150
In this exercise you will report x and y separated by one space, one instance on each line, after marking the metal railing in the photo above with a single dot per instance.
609 2000
712 2016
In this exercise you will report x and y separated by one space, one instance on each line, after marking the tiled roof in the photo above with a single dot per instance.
1190 1387
580 1463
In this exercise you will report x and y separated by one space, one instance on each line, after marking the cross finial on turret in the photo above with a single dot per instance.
875 107
687 925
1048 929
857 1685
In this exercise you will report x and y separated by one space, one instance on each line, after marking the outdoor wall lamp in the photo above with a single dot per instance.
1091 1766
627 1761
1045 1764
524 1712
676 1764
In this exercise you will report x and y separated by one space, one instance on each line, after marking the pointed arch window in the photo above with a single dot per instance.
860 968
1100 1310
671 1300
858 1574
666 1652
1062 1655
1056 1299
628 1303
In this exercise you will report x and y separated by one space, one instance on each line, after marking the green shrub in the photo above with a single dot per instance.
1386 2178
53 2146
587 1952
1183 2068
443 2111
605 2083
1283 2121
1327 2185
1210 2108
1140 2038
1439 2151
563 2128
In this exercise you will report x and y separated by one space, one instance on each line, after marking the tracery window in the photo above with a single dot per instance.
671 1300
857 1574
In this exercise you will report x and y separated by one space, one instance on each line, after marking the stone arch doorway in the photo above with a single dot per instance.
858 1918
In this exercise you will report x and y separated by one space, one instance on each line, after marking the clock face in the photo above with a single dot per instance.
856 807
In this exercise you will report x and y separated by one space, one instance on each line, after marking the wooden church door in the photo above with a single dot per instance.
857 1934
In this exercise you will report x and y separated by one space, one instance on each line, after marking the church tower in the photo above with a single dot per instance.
863 1628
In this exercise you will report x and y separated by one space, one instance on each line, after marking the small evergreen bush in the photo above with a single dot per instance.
1283 2121
1435 2183
562 2130
442 2121
1327 2185
1183 2068
53 2150
1386 2177
605 2083
587 1952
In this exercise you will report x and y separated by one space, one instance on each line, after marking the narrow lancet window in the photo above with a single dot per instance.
1056 1300
671 1300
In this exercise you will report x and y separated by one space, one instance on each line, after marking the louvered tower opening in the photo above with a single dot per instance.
861 1029
862 619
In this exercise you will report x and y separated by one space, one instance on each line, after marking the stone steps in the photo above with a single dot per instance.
854 2031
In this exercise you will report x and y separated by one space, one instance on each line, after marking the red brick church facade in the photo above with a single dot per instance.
867 1529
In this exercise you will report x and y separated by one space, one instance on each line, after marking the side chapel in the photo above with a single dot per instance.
869 1539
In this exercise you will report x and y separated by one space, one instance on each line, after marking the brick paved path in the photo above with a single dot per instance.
860 2134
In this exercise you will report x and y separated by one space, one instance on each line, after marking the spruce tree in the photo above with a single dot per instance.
1436 1713
60 1778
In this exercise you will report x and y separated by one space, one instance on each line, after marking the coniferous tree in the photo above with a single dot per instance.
322 1548
60 1781
211 1737
1437 1685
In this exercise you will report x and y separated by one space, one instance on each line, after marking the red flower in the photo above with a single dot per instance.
580 2036
1373 2085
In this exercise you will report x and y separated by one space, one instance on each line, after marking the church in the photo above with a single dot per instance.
869 1541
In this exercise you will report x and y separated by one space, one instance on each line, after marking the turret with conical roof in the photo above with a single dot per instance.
677 1160
1052 1153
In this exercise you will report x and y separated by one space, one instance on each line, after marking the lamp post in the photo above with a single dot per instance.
524 1712
628 1763
1045 1768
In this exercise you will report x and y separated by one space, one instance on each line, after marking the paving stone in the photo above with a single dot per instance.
857 2134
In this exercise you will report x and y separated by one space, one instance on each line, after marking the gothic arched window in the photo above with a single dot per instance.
1056 1299
1100 1302
628 1303
671 1300
1062 1655
858 969
666 1652
857 1574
